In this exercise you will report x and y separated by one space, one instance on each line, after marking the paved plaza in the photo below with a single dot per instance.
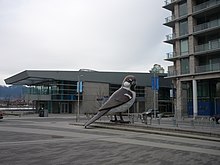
57 140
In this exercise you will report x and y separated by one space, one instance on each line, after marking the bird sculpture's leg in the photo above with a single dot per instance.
122 120
115 120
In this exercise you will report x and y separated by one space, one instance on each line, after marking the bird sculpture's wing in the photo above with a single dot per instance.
118 98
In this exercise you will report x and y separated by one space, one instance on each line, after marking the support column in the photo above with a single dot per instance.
178 106
137 107
195 101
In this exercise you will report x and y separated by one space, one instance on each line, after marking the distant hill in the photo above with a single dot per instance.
11 92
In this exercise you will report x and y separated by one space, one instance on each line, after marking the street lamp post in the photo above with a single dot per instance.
154 96
155 88
78 90
155 85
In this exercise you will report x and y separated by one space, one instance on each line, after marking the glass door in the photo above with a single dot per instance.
64 108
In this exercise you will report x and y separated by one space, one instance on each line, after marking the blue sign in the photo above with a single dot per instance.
155 83
79 87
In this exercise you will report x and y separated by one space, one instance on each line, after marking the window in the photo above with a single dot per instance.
140 91
184 66
183 9
184 48
183 27
203 89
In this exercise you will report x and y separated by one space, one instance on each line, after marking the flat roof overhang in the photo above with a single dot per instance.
26 78
40 77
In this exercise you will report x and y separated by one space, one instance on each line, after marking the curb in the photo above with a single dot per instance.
157 130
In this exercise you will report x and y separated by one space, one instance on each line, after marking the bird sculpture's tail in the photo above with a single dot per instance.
96 117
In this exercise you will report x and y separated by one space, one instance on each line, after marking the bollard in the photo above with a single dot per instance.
132 119
145 119
150 120
213 123
192 123
158 120
175 123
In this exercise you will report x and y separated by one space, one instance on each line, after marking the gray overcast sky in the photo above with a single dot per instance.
103 35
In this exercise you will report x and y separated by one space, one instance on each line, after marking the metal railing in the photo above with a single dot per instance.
206 5
167 2
206 25
198 69
170 55
172 73
170 37
208 68
169 19
211 45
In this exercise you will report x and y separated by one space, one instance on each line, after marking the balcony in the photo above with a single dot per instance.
208 68
170 38
206 5
207 25
169 4
170 55
172 73
210 46
169 21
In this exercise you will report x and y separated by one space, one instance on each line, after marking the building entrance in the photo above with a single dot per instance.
217 106
64 108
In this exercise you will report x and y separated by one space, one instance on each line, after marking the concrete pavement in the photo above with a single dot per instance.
54 140
199 129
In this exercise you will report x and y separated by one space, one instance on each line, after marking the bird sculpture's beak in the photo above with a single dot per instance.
133 85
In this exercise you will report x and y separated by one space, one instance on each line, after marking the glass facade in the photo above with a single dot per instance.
203 89
208 98
184 47
183 27
184 66
140 90
183 8
59 90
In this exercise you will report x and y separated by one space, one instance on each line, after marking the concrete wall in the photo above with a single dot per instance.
218 89
91 92
149 98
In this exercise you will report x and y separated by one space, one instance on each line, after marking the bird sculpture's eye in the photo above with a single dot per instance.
130 80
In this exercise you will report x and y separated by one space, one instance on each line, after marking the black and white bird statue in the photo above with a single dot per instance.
120 101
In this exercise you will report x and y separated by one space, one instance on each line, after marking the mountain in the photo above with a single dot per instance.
11 92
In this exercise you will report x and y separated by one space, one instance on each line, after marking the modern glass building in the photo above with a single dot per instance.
195 26
68 91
